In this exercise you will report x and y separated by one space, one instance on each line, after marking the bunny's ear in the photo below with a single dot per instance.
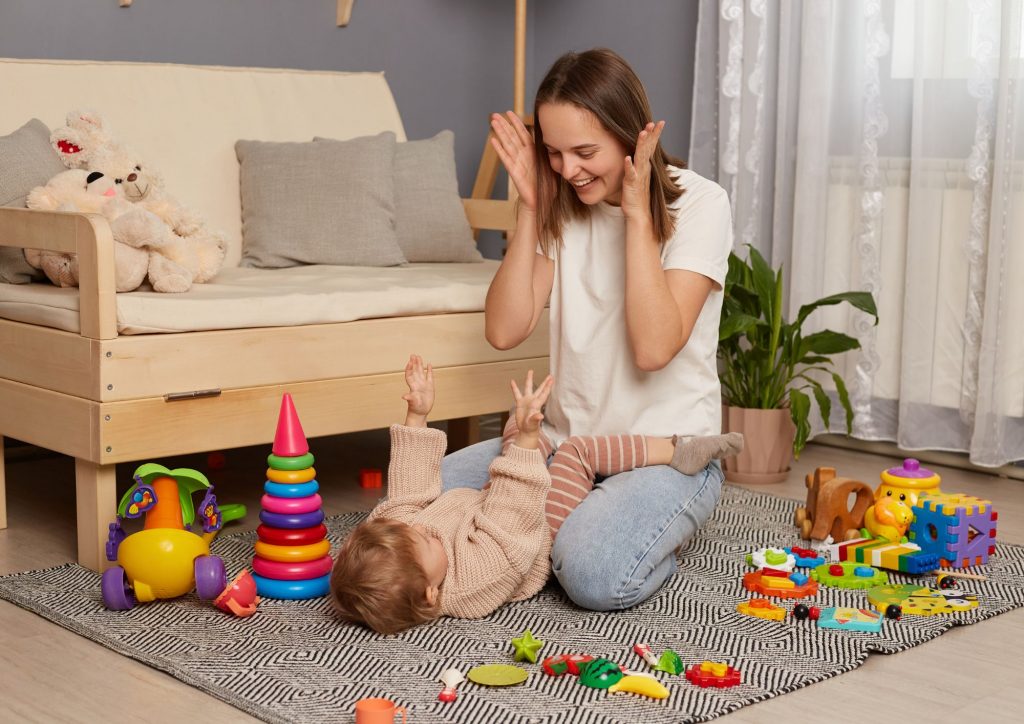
85 119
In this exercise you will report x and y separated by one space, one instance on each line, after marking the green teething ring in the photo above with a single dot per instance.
297 463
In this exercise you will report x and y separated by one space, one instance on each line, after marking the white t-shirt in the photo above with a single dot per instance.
598 388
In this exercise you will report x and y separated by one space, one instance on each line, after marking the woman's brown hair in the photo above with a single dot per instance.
601 82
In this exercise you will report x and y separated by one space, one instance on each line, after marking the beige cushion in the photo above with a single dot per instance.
318 203
242 297
184 119
429 216
27 160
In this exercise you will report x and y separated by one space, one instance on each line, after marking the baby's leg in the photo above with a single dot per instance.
579 460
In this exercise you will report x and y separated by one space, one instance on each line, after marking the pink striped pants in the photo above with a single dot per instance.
576 464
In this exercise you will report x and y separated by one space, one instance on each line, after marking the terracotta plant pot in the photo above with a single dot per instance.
767 447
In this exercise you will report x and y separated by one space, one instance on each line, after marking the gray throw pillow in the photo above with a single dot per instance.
430 219
27 160
311 203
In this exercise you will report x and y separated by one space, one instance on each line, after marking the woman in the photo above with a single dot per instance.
631 251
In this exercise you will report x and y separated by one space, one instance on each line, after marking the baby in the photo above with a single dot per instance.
421 554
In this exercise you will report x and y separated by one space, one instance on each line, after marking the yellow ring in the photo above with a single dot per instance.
291 476
293 554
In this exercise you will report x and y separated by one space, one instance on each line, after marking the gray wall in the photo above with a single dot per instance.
449 62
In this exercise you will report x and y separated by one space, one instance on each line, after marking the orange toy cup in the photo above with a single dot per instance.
378 711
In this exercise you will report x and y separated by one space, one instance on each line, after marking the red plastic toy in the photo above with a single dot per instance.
712 673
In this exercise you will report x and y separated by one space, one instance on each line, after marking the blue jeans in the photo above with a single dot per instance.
618 547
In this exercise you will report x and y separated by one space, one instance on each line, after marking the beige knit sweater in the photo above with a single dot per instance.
497 540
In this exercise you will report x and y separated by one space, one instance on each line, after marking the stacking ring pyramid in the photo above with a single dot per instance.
293 556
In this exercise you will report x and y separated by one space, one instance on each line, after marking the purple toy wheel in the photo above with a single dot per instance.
210 577
117 594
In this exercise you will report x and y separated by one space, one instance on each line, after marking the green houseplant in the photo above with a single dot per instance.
766 362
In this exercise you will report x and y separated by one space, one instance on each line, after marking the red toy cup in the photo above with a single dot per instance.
239 597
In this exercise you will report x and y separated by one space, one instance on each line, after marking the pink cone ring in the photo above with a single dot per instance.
291 506
292 571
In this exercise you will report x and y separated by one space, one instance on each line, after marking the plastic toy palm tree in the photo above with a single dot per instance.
165 559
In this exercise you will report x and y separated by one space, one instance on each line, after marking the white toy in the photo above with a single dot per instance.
192 254
134 229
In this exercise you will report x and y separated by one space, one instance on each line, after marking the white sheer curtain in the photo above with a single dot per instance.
877 145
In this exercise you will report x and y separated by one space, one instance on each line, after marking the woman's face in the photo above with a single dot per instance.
583 152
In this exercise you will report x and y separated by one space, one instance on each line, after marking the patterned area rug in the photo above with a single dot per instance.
293 662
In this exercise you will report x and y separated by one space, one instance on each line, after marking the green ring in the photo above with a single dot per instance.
301 462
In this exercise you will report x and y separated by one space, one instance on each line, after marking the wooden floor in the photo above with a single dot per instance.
49 674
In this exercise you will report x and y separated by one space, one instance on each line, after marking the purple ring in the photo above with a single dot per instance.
296 520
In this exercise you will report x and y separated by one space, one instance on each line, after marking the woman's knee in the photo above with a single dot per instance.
618 547
591 583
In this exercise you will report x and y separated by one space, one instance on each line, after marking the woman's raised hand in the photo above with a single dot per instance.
636 182
514 145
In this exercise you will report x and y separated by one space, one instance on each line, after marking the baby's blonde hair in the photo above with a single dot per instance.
378 580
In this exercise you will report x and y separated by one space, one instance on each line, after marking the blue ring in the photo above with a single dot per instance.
288 520
292 590
285 490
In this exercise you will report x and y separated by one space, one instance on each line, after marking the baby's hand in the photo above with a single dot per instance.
529 403
421 386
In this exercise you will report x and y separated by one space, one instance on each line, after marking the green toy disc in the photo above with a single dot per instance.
497 675
297 463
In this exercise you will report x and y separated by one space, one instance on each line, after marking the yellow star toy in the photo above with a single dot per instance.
526 647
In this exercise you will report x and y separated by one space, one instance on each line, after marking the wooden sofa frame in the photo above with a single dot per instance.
102 398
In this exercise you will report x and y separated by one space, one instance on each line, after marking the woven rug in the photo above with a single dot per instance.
292 662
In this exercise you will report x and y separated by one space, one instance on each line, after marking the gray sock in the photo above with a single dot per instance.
692 454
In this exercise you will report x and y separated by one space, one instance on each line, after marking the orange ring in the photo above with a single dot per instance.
291 476
293 554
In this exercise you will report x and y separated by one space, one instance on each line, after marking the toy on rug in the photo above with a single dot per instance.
890 515
774 558
802 612
292 556
713 673
565 664
526 647
670 663
645 653
450 678
600 673
497 675
378 711
919 600
192 253
641 685
959 529
851 619
761 608
849 575
827 511
806 557
945 580
165 559
239 598
133 229
880 553
779 584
